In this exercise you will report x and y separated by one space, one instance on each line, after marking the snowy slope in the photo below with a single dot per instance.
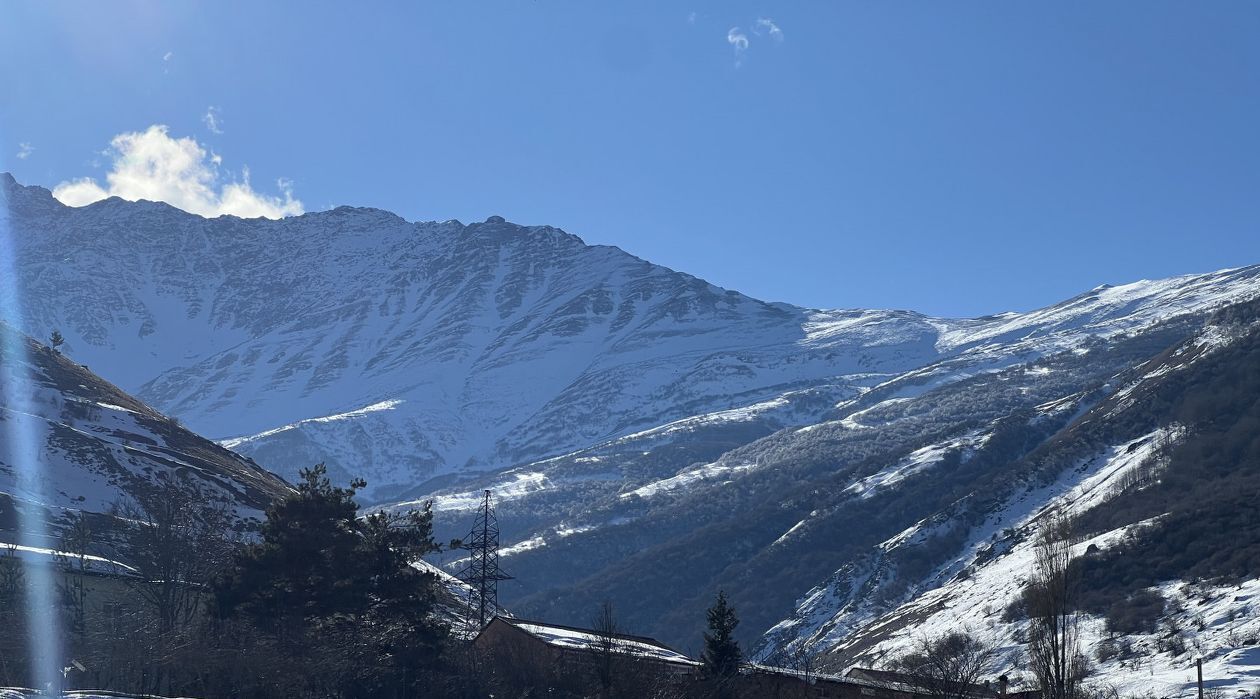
405 351
627 416
409 350
97 446
853 619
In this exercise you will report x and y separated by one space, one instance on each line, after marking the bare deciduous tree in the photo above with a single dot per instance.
178 539
12 575
798 658
948 666
75 543
608 645
1054 649
12 587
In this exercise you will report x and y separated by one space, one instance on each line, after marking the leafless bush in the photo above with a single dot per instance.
947 666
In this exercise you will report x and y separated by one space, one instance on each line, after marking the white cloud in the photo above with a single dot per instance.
24 151
739 40
168 56
152 165
213 119
691 18
768 26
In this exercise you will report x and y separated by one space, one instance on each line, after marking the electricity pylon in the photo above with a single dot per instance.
482 573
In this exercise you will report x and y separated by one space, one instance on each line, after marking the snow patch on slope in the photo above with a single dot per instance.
917 461
829 615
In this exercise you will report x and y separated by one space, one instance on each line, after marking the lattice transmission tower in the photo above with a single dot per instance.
482 573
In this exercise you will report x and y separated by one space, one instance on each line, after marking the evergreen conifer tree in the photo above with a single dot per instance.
339 593
722 655
305 564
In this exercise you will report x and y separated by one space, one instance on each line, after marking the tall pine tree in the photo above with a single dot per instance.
306 564
339 592
722 655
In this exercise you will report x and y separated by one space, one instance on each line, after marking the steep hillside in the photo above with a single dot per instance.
1160 480
769 520
95 446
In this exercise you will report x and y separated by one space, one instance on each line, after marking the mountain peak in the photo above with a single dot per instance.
26 196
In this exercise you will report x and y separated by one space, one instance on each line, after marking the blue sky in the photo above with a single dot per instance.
953 158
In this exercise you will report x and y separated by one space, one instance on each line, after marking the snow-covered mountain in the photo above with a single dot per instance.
650 438
404 351
1157 472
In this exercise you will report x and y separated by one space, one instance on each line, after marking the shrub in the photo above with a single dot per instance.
1137 613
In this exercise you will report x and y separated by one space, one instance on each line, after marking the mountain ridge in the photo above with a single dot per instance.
623 304
650 437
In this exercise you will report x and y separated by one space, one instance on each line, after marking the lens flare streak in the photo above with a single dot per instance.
22 434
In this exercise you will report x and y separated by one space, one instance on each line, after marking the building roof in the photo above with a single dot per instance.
810 677
574 638
33 555
889 676
909 681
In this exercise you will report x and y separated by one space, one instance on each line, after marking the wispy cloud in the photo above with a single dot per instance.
166 61
739 41
762 27
152 165
767 25
691 18
24 151
213 120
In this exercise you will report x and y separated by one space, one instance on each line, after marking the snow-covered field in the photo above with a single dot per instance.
42 556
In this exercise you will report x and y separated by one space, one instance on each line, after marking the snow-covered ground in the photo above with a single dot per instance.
688 478
438 359
920 459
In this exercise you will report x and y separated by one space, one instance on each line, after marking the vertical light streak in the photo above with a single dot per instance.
21 432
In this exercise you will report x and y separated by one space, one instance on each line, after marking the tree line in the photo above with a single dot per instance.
322 601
